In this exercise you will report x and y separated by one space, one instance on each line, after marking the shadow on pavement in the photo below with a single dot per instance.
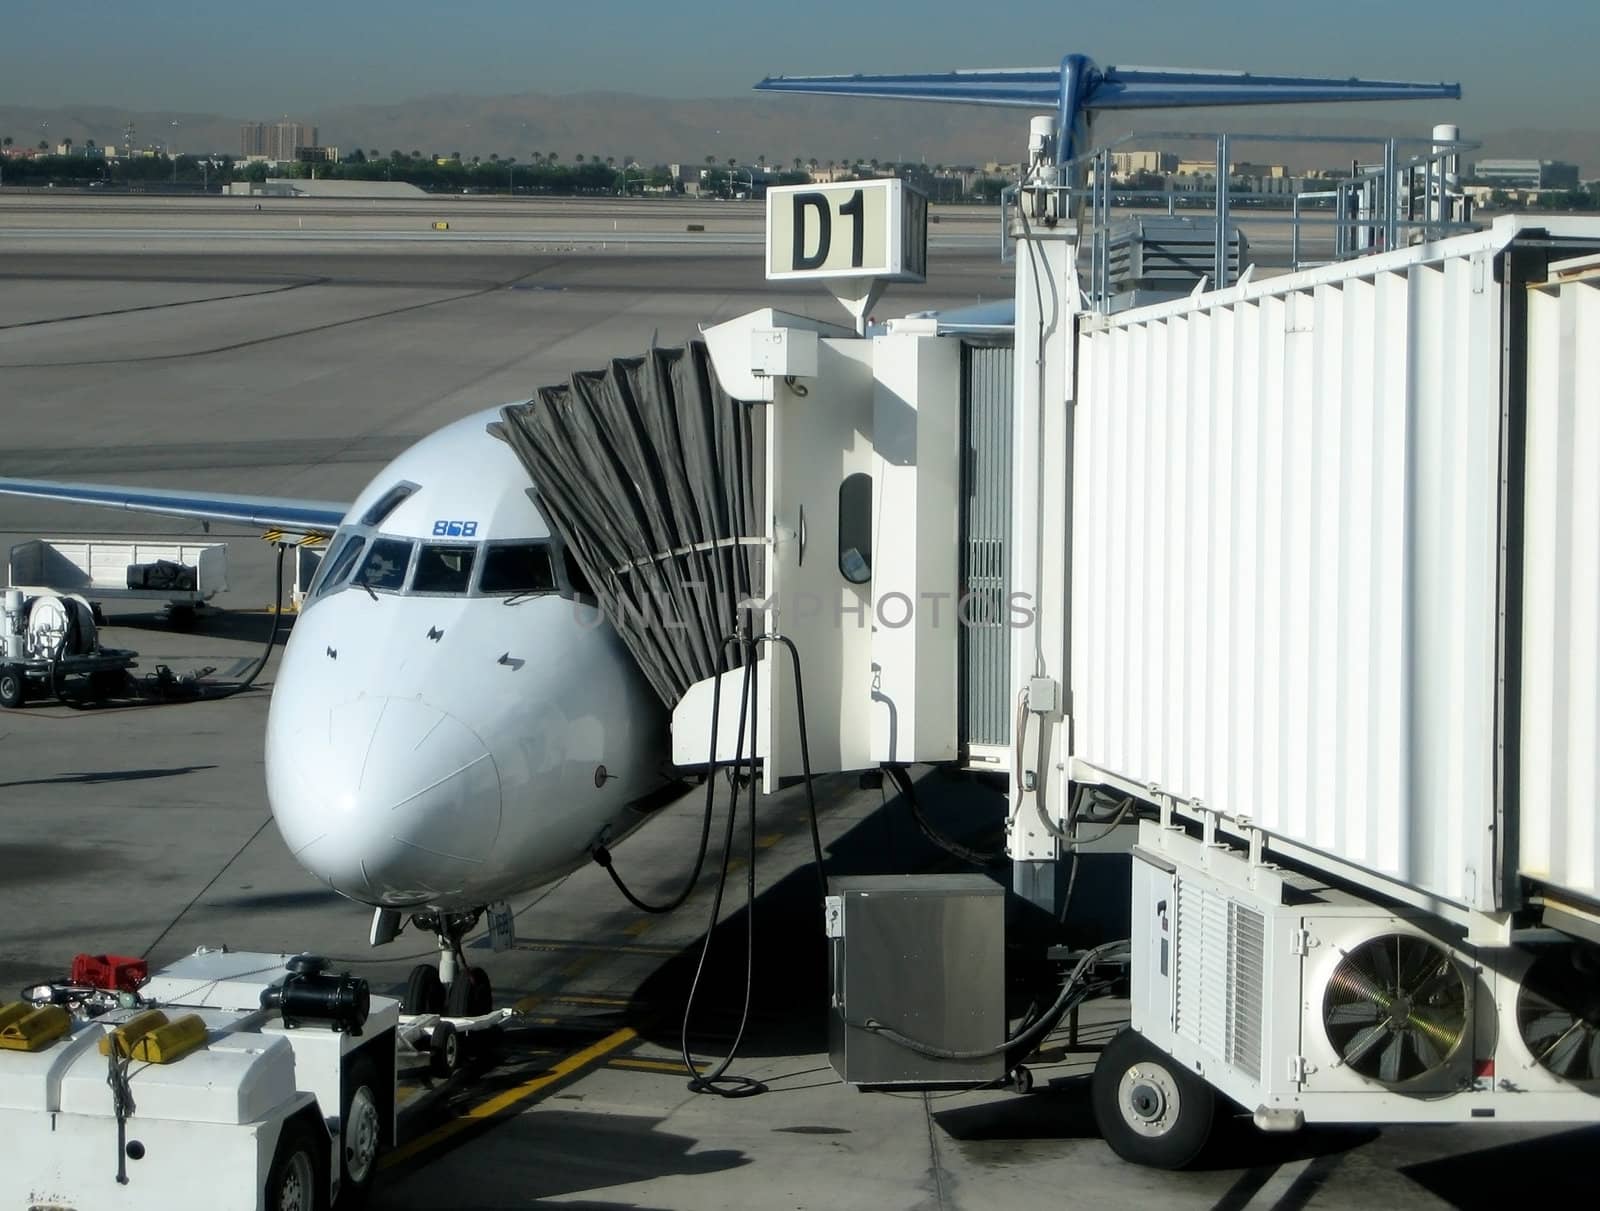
551 1152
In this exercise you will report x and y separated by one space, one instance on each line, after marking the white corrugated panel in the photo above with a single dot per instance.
1284 561
1560 775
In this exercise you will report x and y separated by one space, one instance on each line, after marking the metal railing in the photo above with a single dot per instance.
1396 199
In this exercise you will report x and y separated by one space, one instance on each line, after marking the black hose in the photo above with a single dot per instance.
805 761
717 1081
908 791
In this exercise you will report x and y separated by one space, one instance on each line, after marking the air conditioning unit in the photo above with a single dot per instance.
1549 1023
1305 1002
1386 1006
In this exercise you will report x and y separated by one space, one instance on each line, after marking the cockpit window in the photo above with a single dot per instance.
337 563
443 570
385 564
521 567
576 580
387 503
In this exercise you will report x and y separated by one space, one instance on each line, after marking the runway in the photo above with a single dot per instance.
299 366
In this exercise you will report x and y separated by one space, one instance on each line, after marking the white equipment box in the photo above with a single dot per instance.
98 569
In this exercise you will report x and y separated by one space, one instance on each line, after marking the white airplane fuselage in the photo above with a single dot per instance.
453 722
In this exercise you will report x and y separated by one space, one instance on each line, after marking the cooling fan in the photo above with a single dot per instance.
1397 1008
1558 1014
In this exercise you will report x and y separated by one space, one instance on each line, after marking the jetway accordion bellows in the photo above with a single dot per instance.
648 471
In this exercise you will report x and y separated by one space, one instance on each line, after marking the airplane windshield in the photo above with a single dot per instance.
385 565
522 567
336 564
443 569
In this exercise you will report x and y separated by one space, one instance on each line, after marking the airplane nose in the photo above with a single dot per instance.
388 800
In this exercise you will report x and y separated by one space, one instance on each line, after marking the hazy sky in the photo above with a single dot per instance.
1530 62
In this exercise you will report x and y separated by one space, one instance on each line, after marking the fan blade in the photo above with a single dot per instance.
1442 1034
1426 1047
1363 1043
1393 1056
1548 1057
1352 984
1355 1013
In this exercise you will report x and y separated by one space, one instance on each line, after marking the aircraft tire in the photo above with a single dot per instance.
424 991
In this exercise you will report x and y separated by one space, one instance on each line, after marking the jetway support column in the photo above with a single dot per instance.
1047 296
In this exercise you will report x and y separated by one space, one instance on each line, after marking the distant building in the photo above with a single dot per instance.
1526 174
254 141
1126 163
317 155
289 137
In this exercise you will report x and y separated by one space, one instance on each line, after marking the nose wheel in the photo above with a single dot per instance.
455 988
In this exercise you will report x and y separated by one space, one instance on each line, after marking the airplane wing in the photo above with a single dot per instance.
267 512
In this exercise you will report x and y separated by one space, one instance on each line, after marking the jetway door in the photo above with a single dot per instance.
985 652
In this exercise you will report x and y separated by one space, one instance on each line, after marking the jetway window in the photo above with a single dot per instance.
385 565
855 528
443 569
520 567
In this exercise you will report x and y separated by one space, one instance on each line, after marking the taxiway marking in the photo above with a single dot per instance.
500 1103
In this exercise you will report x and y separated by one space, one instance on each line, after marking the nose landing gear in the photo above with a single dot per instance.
455 989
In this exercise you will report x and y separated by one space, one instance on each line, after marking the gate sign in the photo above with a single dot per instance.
853 229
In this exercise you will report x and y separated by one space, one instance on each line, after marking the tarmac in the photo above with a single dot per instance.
297 367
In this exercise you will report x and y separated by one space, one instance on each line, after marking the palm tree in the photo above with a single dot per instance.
6 142
397 154
494 157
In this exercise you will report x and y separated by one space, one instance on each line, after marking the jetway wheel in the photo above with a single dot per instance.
1150 1109
13 686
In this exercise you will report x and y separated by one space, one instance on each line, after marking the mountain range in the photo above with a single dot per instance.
779 128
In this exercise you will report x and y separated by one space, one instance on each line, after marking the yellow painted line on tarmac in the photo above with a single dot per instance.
769 840
675 1067
642 925
582 998
528 1004
502 1102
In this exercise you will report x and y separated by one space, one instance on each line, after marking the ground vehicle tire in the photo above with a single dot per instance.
470 994
444 1050
424 991
13 686
1150 1109
361 1136
294 1181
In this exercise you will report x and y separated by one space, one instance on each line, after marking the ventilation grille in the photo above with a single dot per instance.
984 637
1221 976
